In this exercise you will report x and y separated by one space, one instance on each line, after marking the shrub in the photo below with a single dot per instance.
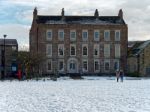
133 74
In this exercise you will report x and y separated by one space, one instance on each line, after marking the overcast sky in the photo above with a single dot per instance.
16 15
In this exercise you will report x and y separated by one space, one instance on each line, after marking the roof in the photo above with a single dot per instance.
101 20
138 48
8 42
142 46
131 43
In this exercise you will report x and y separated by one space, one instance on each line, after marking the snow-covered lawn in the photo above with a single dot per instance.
88 95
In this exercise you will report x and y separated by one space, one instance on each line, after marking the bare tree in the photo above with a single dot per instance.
30 63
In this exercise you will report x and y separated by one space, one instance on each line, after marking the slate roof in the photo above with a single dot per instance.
138 48
8 42
142 46
101 20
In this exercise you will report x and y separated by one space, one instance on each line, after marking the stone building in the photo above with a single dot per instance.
139 58
8 57
79 44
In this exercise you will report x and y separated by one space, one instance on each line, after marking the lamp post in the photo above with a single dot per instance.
4 56
3 59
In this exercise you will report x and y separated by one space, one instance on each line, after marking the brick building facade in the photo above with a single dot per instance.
79 44
8 57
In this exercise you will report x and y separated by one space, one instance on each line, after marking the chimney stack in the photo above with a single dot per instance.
120 14
96 14
63 14
35 13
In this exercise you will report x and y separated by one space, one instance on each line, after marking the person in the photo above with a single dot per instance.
23 76
117 74
121 75
19 74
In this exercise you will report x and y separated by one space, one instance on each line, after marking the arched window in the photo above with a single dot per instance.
72 64
84 50
96 52
107 66
96 65
60 50
49 65
96 49
72 50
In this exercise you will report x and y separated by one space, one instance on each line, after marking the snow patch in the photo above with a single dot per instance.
67 95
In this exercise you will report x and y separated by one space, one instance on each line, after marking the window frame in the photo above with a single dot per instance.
84 70
118 64
96 46
49 60
47 37
84 39
14 48
96 39
72 45
59 46
106 61
106 53
117 50
59 38
84 45
116 39
105 38
72 39
47 48
60 60
96 60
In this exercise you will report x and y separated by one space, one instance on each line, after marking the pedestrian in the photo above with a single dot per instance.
117 74
19 74
121 75
24 76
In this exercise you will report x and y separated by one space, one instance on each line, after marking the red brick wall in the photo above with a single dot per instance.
41 48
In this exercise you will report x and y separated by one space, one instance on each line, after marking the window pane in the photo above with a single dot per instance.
96 52
85 65
72 35
84 50
70 65
61 35
96 49
49 50
107 35
14 48
117 50
73 65
49 34
85 35
49 65
96 35
116 65
72 50
96 65
117 35
107 66
61 50
61 65
107 50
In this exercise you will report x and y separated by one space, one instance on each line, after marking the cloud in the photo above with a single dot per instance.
16 31
137 16
17 14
